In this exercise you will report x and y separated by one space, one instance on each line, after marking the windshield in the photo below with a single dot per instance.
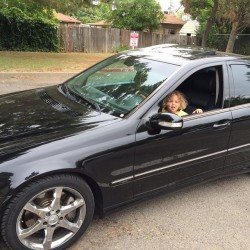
118 84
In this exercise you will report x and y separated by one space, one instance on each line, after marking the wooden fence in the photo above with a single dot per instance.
105 40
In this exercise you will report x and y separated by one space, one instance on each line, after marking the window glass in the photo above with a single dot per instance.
121 82
241 78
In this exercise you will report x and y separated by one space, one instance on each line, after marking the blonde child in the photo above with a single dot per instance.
175 103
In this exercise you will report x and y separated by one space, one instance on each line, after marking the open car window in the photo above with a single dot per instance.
203 90
120 83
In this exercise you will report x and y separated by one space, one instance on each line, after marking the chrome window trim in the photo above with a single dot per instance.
246 105
205 114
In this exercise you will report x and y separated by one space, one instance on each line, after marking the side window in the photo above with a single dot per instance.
241 80
203 90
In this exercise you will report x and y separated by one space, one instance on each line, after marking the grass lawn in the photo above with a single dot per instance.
47 62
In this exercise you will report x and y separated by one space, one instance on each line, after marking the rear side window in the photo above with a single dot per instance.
241 80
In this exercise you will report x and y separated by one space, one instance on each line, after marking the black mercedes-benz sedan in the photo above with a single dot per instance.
103 139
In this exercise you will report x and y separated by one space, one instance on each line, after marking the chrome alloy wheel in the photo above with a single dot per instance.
51 218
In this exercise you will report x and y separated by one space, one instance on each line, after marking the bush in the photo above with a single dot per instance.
120 48
23 33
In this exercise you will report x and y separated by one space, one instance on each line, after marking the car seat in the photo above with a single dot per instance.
201 91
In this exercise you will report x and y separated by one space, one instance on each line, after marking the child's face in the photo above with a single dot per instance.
173 104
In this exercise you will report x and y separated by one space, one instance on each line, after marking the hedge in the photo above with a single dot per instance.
23 33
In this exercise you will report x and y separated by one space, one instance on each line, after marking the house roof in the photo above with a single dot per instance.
66 19
170 19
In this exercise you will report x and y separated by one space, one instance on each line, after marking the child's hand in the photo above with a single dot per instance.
198 111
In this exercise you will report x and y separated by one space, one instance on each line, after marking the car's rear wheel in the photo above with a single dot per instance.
50 213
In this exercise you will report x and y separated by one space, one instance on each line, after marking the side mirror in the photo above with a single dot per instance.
166 121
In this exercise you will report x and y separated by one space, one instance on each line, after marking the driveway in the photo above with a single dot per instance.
213 215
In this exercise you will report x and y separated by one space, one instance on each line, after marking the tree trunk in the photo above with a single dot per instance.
209 24
232 38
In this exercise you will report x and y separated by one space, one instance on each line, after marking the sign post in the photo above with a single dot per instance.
134 36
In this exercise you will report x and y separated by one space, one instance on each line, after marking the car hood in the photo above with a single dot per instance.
45 113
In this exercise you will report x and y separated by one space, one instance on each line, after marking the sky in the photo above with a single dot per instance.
166 3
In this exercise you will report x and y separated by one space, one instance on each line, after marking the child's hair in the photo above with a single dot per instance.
183 101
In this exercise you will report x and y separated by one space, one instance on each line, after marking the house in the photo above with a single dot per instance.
67 20
171 24
190 28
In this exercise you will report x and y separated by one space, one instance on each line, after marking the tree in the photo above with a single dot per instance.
136 15
237 13
28 8
92 13
64 6
45 7
204 11
230 14
209 24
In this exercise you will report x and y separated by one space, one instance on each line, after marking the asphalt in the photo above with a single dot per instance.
210 216
16 81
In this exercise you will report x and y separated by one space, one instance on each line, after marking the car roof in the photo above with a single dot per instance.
180 55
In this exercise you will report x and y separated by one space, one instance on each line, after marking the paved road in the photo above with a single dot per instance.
210 216
10 82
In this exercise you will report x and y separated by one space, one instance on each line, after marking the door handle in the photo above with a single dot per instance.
221 125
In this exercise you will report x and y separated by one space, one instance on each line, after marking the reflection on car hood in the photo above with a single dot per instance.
45 113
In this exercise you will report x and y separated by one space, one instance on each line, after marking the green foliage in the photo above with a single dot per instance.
39 6
219 35
31 25
214 40
92 13
242 44
231 14
64 6
29 8
198 9
18 31
120 48
136 15
235 11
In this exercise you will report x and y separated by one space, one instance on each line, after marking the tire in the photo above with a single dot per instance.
50 213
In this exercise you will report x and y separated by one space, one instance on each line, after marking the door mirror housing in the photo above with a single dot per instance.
166 121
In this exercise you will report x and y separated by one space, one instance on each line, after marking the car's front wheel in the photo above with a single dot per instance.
50 213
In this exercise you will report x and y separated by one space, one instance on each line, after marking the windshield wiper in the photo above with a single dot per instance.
78 98
65 90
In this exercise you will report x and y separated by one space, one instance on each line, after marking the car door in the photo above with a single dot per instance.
172 158
239 144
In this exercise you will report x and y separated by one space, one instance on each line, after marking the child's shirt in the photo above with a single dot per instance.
179 112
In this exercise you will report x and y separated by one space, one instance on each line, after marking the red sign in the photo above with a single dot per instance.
134 39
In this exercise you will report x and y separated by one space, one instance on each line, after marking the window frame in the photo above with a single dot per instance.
225 83
232 83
